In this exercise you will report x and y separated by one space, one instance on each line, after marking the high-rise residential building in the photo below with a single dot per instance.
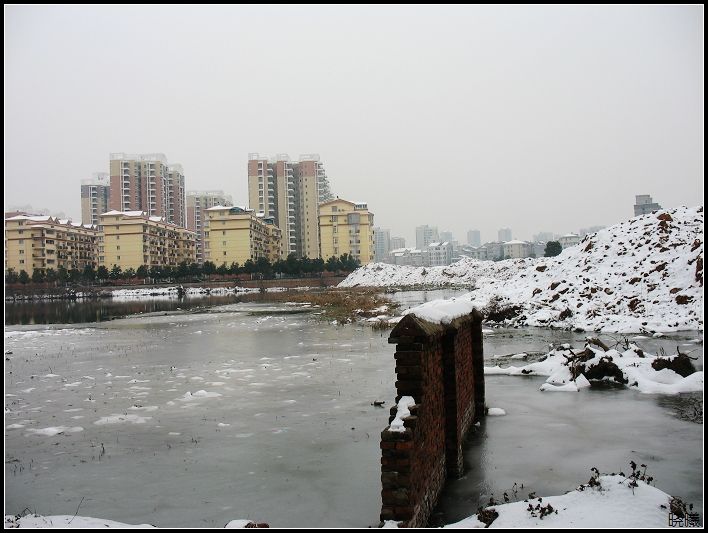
145 182
474 238
236 234
446 236
130 239
504 235
94 197
197 203
397 243
424 235
290 193
643 205
346 228
44 242
176 204
382 244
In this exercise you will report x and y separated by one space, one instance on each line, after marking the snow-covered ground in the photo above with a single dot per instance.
643 275
634 367
612 504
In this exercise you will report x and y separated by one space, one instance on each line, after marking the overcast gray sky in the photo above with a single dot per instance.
536 118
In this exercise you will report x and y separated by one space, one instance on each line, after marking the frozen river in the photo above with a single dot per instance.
251 411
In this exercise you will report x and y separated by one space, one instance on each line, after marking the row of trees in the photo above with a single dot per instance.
262 268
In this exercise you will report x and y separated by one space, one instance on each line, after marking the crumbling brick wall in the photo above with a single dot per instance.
439 366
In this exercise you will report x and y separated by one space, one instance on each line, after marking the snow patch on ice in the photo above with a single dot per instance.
122 419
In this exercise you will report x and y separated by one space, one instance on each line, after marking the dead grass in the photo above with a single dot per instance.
337 304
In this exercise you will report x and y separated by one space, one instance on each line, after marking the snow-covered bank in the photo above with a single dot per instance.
86 522
173 292
65 521
613 503
643 275
568 370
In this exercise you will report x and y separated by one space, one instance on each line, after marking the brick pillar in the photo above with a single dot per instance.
453 440
478 363
441 367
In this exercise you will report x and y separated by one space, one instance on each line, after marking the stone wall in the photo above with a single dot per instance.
441 367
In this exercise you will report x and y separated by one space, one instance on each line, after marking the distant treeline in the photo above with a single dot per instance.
261 268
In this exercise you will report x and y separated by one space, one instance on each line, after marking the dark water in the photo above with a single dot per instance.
99 310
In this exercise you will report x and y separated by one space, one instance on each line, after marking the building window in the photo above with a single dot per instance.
22 241
223 232
118 257
117 237
22 251
22 261
224 253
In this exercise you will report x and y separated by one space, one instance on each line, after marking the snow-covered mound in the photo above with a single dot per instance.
612 503
645 274
642 275
569 371
465 273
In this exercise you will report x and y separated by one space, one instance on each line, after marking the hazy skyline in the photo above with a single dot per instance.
533 118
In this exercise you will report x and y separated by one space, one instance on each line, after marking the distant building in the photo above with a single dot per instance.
94 197
197 203
473 252
539 249
409 257
130 239
543 236
397 242
644 205
346 228
504 235
439 254
571 239
290 193
424 235
495 251
481 253
145 182
517 249
474 238
446 236
45 242
382 244
235 234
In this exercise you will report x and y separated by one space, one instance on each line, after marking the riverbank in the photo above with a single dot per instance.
46 291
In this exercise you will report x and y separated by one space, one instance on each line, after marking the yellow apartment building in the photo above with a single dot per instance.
45 242
346 228
237 234
130 239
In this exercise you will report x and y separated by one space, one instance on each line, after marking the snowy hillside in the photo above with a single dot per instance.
645 274
465 273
